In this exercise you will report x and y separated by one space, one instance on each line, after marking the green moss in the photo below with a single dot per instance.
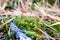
30 26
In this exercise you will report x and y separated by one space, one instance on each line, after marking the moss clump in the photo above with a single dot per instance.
30 26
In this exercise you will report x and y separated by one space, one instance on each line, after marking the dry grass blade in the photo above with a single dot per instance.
53 9
55 5
45 34
45 14
4 5
54 24
51 27
56 10
23 5
2 25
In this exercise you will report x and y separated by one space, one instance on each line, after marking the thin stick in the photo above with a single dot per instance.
4 5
